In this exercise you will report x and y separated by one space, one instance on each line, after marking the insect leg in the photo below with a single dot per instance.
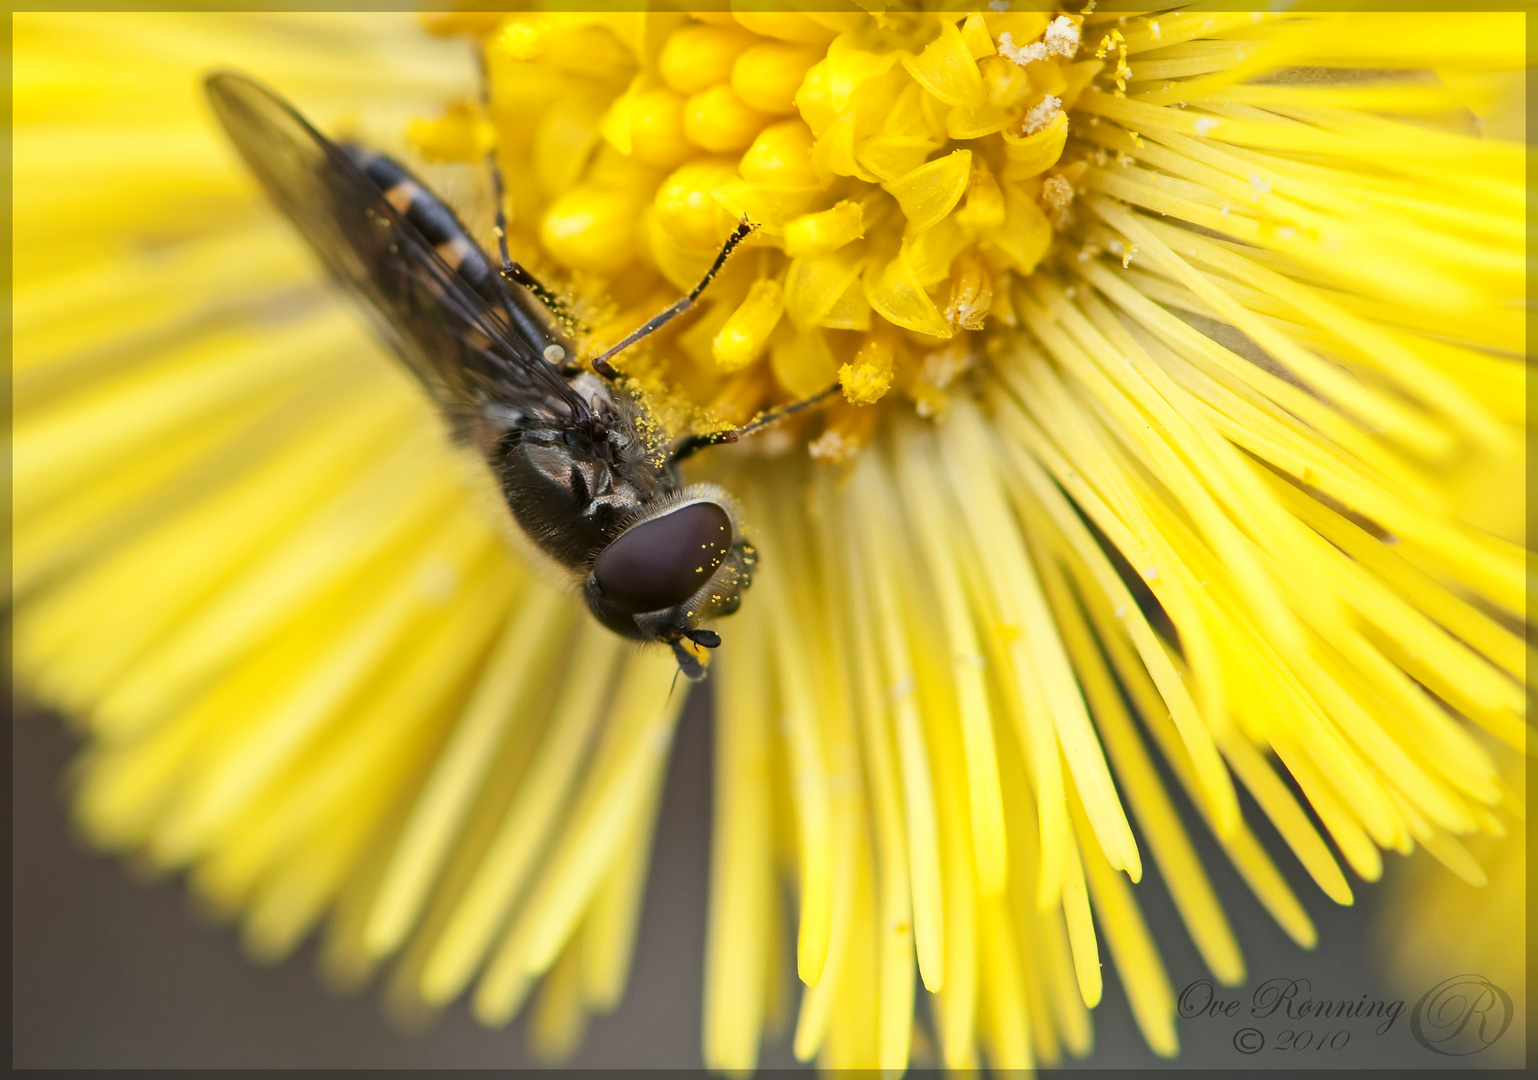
695 443
601 363
689 664
510 270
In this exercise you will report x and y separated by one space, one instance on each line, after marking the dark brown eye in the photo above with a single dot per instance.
664 561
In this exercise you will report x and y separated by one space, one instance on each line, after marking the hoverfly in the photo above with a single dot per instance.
655 558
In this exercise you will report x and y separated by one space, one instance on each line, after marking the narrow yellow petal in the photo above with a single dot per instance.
1081 929
742 896
527 826
1132 948
630 763
927 511
963 445
423 846
924 861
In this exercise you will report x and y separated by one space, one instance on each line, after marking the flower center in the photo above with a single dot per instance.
901 170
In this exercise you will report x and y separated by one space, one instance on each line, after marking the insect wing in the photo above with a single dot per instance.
455 342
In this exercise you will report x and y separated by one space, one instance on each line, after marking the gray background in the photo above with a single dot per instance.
110 972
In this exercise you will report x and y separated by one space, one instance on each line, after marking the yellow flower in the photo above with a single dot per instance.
1182 404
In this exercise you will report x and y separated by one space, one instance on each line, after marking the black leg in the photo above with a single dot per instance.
601 363
688 663
510 270
695 443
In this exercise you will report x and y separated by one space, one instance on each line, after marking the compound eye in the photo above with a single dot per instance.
664 561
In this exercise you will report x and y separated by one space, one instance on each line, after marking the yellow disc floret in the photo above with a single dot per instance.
900 169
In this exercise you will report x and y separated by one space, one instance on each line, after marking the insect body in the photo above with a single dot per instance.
655 558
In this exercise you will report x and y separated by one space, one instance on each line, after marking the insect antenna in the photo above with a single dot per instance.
739 234
511 270
695 443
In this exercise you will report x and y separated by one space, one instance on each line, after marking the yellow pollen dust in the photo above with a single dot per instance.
903 174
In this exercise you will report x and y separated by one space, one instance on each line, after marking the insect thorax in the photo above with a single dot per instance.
574 489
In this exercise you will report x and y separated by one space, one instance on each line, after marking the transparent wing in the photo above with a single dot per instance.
453 340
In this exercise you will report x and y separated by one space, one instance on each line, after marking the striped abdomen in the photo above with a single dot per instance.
447 234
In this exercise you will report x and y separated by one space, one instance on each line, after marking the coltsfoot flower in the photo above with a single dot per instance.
1181 419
